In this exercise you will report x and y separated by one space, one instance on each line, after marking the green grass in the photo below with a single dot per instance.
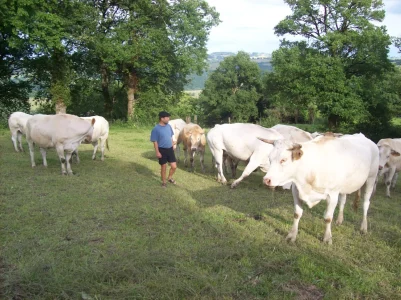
111 232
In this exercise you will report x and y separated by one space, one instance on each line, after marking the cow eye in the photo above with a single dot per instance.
283 160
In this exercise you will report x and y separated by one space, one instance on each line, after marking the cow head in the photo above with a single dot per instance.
385 155
283 162
196 139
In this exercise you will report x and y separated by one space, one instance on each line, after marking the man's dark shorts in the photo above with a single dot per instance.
167 155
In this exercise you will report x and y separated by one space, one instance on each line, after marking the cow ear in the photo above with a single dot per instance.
267 141
93 121
203 139
395 153
296 152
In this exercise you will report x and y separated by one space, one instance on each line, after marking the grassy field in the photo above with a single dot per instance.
112 232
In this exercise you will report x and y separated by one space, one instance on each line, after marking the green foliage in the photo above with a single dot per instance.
232 91
341 72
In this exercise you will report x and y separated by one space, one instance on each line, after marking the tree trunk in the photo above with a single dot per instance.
59 90
108 104
296 115
131 80
61 108
333 121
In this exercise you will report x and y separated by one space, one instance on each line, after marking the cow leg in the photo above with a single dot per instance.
177 151
248 170
75 153
185 157
67 162
60 152
14 139
292 235
95 145
342 199
102 147
332 201
394 181
193 152
389 179
218 157
202 159
367 194
43 152
19 138
32 153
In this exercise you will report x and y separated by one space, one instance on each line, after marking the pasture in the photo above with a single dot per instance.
112 232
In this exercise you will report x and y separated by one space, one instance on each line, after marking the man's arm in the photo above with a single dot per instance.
174 143
156 145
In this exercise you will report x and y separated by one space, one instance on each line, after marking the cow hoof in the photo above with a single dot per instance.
291 239
94 158
388 196
328 241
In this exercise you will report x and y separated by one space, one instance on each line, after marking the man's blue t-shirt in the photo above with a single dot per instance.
162 135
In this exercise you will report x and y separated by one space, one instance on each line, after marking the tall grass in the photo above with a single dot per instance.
112 232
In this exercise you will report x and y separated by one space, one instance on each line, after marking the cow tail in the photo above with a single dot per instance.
107 144
356 200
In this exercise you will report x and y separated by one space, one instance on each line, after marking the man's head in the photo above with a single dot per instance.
164 117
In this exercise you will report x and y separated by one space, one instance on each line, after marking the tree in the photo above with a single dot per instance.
232 90
149 45
355 49
14 88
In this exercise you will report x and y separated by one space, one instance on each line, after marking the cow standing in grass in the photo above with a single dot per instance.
100 133
62 131
324 168
390 161
177 125
240 142
17 124
193 138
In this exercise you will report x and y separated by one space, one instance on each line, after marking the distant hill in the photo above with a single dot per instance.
262 59
214 59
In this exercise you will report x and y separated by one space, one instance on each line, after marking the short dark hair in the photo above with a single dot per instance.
163 114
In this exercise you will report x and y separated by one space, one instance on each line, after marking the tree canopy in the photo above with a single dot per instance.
232 90
106 47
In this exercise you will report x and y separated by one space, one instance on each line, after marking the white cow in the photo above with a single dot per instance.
177 125
325 168
240 142
390 161
17 124
62 131
292 133
100 132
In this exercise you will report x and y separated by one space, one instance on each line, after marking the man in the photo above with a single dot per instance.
162 138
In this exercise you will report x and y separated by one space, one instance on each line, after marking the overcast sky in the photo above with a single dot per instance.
248 25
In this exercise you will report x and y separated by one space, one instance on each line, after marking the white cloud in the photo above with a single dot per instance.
248 25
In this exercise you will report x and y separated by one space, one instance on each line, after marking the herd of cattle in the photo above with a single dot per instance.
315 166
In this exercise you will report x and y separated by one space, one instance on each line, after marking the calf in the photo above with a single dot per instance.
62 131
192 136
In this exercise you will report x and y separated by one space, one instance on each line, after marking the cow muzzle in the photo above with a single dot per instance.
193 149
